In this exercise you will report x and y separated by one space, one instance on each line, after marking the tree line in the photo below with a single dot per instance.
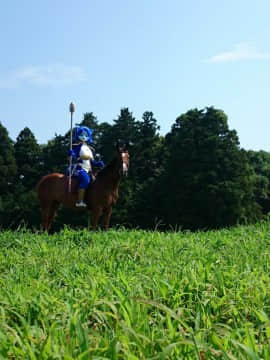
195 177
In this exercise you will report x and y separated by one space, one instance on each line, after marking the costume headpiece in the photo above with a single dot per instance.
83 133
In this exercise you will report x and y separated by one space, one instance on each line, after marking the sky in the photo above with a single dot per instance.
164 56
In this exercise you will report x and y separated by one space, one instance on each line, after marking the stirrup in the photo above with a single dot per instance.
80 204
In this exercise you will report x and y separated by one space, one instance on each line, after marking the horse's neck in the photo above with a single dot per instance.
112 176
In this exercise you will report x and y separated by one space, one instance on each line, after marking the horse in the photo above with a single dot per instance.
100 197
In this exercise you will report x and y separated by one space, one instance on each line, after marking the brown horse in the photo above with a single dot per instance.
52 191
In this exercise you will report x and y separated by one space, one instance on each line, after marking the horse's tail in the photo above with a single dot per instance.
40 183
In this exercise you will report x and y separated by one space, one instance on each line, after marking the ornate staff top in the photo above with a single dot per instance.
72 107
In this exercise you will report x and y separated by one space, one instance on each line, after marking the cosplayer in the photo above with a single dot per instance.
83 159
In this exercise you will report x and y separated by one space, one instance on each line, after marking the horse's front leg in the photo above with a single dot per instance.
107 212
95 218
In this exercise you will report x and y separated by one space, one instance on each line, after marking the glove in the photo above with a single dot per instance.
71 153
98 164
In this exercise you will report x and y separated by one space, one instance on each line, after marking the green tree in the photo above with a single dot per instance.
147 147
208 181
8 172
147 168
260 163
28 158
54 155
8 168
124 128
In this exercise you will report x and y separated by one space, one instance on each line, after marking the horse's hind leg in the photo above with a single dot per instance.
48 211
52 212
44 217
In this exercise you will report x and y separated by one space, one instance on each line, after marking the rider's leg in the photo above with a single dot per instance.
84 181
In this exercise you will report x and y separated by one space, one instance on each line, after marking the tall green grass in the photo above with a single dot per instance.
135 294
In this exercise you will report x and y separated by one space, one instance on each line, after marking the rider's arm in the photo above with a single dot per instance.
98 164
72 153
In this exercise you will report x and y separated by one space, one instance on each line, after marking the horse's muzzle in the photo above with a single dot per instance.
123 172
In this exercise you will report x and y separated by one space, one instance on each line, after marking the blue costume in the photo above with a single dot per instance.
83 160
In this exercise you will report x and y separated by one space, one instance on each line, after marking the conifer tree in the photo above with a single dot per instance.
8 172
148 152
208 181
27 154
260 163
8 168
124 128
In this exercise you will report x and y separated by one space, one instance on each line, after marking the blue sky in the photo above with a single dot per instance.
147 55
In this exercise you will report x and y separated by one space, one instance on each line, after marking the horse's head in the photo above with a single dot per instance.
125 162
122 150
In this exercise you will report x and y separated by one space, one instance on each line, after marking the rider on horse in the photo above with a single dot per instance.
82 156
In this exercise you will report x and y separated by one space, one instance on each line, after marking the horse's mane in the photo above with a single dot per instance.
107 169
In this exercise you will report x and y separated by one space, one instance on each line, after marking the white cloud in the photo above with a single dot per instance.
48 75
243 51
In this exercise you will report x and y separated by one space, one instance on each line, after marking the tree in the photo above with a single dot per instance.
28 159
8 168
208 181
54 155
8 172
148 150
123 128
147 146
260 163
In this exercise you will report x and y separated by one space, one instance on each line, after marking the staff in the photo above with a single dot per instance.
72 110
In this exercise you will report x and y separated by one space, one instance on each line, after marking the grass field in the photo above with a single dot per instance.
135 294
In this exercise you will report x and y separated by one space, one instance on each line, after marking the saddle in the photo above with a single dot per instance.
75 183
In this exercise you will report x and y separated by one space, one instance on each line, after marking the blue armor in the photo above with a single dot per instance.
81 168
